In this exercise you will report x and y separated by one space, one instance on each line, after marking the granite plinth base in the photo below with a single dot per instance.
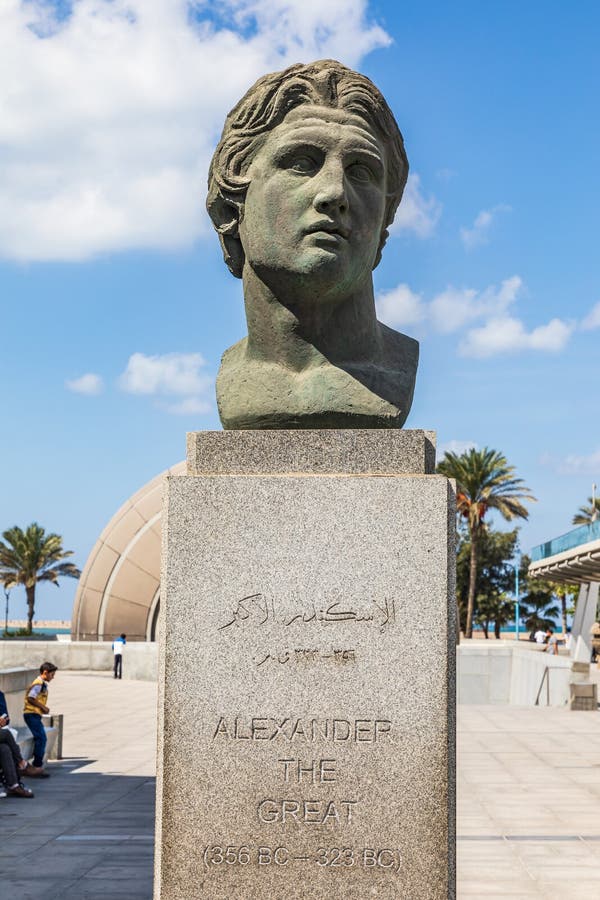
307 685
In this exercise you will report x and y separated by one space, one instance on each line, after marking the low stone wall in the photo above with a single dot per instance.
140 660
488 672
13 684
502 672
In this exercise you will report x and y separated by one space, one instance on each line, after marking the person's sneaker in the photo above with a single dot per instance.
19 791
2 793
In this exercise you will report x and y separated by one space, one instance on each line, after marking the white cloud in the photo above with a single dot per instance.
455 446
110 115
171 373
585 464
400 307
592 320
303 30
451 309
416 213
454 309
508 335
188 406
446 174
89 384
479 231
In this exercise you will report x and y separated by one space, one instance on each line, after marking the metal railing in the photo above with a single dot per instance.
546 678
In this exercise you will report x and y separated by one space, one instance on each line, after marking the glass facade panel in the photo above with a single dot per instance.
581 535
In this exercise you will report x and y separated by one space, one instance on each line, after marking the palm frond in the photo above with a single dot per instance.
485 481
587 514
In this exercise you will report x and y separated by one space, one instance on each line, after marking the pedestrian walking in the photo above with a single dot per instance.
118 647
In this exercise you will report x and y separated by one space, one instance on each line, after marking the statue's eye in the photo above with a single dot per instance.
305 165
360 172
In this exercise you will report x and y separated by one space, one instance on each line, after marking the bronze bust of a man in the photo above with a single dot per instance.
303 186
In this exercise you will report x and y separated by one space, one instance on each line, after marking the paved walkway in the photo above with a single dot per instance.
88 834
529 802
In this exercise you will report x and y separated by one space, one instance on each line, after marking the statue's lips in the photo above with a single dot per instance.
328 230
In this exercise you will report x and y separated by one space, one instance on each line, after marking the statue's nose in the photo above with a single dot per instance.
331 190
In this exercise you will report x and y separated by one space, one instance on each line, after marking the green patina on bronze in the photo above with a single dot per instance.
303 186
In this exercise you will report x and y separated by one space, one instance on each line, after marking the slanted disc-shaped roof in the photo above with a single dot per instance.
572 557
119 588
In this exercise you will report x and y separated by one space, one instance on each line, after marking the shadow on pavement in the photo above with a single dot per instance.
85 836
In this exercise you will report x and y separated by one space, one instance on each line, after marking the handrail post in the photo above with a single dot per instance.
547 677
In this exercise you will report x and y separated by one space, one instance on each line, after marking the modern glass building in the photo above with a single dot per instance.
573 557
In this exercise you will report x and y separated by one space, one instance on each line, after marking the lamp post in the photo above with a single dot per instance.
516 565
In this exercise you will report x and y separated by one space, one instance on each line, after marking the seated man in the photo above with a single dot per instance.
551 642
12 763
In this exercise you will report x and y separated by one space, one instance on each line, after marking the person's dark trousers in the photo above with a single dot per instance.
118 665
7 766
34 723
8 740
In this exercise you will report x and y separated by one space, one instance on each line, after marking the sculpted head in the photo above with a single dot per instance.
303 187
324 126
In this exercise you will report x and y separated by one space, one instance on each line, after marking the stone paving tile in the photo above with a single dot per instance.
583 890
12 845
483 887
37 888
121 890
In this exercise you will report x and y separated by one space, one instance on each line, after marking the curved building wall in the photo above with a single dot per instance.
119 588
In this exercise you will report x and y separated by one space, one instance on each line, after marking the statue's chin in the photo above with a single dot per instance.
319 271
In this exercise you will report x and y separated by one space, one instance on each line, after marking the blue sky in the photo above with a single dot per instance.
116 305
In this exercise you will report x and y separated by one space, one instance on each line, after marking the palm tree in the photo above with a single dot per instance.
585 515
496 608
28 557
539 611
484 481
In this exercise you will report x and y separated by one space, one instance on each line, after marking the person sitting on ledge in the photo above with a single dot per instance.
551 642
12 763
36 697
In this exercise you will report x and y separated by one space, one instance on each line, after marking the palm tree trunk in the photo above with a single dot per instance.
30 591
472 584
563 609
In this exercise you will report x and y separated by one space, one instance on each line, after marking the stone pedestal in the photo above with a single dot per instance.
307 684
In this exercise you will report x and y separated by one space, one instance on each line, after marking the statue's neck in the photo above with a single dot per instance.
299 332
